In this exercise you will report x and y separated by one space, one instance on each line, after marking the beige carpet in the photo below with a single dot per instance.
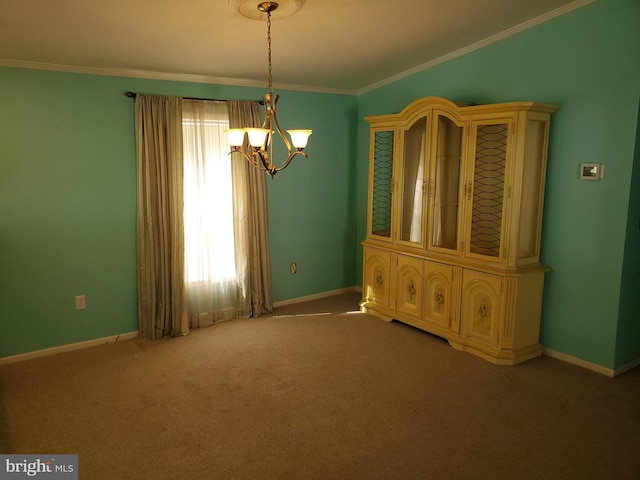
317 391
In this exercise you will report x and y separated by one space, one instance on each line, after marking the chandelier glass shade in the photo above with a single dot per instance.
261 139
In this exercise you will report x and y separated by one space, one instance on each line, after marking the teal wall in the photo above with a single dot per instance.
67 202
586 62
312 203
629 328
67 210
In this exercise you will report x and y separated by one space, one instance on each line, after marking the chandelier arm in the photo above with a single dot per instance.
264 160
249 158
289 158
274 119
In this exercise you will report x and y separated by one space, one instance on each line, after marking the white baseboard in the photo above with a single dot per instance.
317 296
609 372
626 367
130 335
67 348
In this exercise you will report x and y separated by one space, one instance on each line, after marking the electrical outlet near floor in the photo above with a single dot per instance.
293 268
81 302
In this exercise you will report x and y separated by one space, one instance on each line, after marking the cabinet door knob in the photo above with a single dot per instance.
411 289
379 279
438 297
482 310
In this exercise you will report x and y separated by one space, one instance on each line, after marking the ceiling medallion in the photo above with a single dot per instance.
247 8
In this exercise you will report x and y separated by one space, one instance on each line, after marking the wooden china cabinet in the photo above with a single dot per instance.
454 219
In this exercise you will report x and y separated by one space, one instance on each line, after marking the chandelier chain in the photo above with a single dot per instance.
270 81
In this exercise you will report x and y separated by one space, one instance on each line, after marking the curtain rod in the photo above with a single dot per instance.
133 95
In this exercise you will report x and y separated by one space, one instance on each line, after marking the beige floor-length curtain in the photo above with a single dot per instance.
251 223
162 310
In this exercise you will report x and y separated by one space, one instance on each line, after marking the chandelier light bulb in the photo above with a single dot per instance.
299 138
235 136
257 136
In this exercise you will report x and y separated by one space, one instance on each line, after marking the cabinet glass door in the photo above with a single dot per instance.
487 189
381 181
413 175
445 183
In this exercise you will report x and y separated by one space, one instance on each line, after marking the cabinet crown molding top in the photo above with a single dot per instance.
418 106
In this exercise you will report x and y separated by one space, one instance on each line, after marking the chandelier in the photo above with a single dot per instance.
261 139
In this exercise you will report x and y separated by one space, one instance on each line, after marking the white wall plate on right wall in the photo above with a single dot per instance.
591 171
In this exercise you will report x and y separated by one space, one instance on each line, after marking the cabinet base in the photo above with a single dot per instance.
495 355
375 313
486 352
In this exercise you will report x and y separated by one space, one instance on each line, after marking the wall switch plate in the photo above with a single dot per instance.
591 171
81 302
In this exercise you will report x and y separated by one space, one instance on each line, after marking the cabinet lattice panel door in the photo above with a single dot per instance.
488 182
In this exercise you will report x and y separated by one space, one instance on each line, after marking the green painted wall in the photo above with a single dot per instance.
628 341
66 186
67 202
312 203
587 63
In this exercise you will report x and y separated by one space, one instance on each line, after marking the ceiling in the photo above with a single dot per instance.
341 46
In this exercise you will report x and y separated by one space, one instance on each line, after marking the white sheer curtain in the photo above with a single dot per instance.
210 267
416 219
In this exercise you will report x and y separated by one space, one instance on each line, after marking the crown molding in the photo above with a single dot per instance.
480 44
172 77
